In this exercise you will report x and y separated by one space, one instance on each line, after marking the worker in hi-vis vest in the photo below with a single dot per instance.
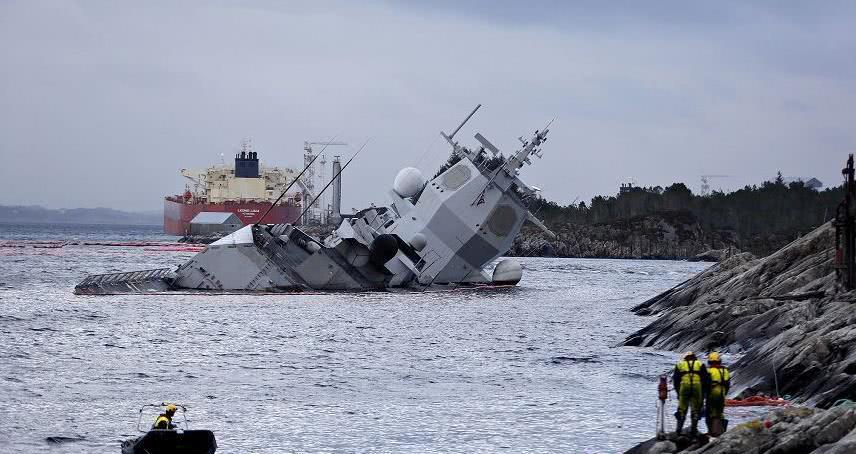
690 380
720 382
164 420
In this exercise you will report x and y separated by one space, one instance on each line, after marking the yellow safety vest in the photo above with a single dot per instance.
719 376
162 419
690 372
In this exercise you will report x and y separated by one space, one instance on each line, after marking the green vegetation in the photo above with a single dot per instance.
483 161
672 222
773 208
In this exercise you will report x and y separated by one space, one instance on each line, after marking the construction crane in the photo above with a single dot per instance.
315 174
705 182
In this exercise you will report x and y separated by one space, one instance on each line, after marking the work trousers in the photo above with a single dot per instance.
690 395
716 402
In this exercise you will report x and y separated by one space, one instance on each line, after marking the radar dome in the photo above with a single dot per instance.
507 272
408 182
419 241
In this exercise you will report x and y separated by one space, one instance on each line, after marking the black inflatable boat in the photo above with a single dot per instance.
170 441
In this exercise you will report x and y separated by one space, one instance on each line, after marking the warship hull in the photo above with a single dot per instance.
447 230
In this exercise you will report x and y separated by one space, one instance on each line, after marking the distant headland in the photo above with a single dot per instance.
33 214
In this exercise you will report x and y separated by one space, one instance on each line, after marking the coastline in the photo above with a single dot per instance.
794 327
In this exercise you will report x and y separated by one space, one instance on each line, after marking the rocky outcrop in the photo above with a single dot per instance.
713 255
792 430
661 236
785 312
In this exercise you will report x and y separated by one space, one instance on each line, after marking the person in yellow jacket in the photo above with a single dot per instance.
690 380
164 420
720 382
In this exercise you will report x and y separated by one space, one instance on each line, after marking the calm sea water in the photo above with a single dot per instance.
529 369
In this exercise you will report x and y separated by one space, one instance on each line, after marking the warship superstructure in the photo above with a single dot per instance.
442 231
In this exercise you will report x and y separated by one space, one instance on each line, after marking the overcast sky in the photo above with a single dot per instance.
101 103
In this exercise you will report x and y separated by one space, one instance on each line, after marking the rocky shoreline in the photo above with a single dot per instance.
675 236
791 430
663 236
786 314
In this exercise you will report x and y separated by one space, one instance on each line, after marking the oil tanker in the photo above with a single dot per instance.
246 189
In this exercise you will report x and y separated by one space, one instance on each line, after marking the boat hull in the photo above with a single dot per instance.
172 442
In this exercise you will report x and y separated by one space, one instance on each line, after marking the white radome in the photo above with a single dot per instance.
418 241
507 272
408 182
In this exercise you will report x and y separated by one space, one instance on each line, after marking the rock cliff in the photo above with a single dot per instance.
786 313
792 430
664 236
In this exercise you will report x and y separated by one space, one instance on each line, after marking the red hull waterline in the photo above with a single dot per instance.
177 214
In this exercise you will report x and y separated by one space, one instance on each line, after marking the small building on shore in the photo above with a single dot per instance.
809 182
213 222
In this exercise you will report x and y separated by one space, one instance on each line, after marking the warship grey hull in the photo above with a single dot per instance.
279 257
443 231
145 281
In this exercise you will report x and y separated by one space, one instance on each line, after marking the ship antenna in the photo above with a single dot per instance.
452 135
309 205
293 182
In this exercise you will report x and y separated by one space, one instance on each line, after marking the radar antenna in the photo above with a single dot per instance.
459 150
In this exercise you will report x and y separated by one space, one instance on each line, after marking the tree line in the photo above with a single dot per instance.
771 208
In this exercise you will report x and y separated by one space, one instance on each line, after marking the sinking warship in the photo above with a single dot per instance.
445 231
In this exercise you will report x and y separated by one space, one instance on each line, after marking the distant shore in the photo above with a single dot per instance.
88 216
660 236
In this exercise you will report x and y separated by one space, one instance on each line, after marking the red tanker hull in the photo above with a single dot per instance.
177 214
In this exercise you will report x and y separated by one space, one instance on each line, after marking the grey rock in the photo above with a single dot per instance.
713 255
781 427
790 430
663 447
823 428
834 430
745 438
786 311
846 445
663 236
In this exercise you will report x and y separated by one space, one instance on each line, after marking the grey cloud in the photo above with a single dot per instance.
109 100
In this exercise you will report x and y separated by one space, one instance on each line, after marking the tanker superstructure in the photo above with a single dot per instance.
246 189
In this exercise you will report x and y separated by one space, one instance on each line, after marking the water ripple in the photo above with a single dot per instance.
527 369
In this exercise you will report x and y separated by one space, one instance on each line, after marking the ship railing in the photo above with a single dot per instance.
129 276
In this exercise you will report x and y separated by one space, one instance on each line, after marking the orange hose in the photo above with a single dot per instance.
756 401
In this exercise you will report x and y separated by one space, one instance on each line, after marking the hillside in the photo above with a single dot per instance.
41 215
759 219
785 313
657 236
